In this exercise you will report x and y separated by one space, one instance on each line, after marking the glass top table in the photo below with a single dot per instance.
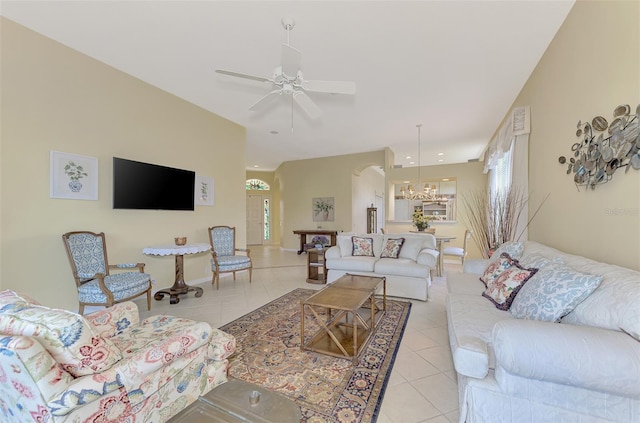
239 401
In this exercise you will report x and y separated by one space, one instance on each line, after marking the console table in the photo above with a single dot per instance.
179 287
303 236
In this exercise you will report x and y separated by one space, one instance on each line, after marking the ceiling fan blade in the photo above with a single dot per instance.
264 101
307 105
291 59
334 87
243 75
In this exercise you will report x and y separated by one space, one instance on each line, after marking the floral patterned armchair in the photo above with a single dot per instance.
225 259
87 253
59 366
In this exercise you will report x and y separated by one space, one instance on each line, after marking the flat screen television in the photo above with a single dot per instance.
138 185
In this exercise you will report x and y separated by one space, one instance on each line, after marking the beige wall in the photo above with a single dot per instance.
469 178
303 180
274 195
366 186
54 98
592 66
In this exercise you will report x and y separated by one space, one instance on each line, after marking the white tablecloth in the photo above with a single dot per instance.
174 250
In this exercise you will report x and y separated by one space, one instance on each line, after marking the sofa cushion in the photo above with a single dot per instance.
14 301
577 356
67 336
392 247
354 264
345 245
614 305
157 348
362 246
514 249
536 260
401 267
495 269
464 283
503 290
553 292
413 244
471 319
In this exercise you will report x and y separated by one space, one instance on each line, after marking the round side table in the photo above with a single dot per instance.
179 287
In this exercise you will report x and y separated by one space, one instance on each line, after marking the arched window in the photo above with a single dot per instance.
257 185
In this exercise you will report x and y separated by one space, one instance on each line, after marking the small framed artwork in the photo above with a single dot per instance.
323 209
73 177
204 191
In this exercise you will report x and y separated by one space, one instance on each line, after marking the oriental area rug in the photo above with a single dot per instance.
327 389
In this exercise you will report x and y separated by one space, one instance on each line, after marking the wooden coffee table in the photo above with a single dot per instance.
352 313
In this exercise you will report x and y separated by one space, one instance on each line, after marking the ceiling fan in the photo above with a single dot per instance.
288 79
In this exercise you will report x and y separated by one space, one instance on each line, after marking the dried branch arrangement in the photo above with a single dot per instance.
494 220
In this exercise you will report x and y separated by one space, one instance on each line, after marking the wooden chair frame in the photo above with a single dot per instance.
465 243
100 276
216 273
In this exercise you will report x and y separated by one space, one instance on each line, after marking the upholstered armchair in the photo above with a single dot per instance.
225 258
58 366
97 286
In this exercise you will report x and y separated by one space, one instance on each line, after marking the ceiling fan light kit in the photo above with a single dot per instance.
288 79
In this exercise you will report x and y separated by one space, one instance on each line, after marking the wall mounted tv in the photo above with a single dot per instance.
138 185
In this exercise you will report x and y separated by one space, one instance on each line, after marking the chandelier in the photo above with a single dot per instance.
420 191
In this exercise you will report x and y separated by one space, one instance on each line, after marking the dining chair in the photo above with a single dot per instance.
223 250
97 286
461 253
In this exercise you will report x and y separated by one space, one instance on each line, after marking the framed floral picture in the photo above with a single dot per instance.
323 209
73 177
204 191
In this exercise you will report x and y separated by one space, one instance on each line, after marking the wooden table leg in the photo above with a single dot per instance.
440 259
179 286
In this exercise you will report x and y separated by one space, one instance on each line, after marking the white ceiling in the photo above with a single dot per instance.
453 66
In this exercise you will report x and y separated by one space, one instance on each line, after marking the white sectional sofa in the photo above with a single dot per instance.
408 275
585 368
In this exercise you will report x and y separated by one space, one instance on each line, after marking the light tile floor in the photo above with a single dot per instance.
422 386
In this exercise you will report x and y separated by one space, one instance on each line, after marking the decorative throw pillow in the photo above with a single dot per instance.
502 291
392 248
514 249
362 246
11 301
496 268
67 336
554 291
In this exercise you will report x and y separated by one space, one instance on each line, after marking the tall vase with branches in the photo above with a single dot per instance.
494 220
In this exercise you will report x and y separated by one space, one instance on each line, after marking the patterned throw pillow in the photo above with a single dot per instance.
67 336
496 268
392 248
514 249
554 291
503 290
362 246
11 301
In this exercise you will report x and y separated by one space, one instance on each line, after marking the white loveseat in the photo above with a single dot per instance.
408 276
586 368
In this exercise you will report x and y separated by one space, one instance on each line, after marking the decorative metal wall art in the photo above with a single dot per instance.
603 147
